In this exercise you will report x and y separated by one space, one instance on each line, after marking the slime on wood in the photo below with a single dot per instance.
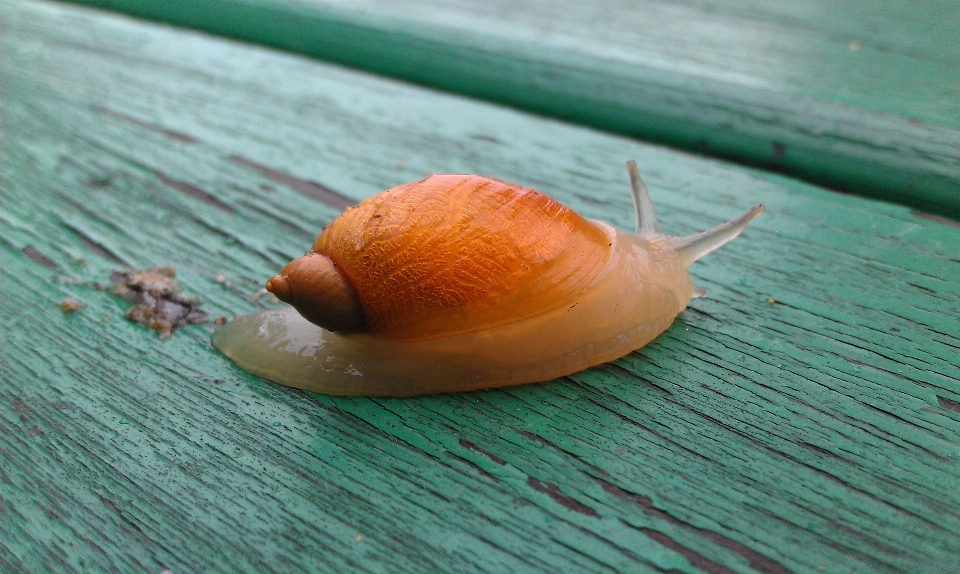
440 286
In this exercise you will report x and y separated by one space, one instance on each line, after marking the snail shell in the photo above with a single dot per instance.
462 282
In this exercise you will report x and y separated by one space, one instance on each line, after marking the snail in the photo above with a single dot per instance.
463 282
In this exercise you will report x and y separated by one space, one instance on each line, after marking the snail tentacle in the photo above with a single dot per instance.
646 217
693 247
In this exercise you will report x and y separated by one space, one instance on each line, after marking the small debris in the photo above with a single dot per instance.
771 300
220 278
106 319
854 45
70 305
221 321
359 538
157 299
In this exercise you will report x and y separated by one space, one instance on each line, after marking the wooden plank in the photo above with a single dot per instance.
820 433
863 97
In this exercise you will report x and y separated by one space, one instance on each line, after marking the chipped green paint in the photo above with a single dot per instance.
820 433
860 97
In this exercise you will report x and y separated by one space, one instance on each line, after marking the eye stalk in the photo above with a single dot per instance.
319 292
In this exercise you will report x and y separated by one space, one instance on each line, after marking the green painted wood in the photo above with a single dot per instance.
820 433
863 97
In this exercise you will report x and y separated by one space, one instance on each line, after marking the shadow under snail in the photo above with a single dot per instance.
463 282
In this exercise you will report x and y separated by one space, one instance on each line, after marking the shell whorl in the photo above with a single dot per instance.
454 254
318 290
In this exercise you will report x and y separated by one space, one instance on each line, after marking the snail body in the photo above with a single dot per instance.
462 282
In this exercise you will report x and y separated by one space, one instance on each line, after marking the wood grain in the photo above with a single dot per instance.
859 96
819 433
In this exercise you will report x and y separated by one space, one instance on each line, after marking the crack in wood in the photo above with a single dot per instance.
471 464
692 557
176 136
539 439
312 189
936 219
39 258
553 492
92 245
627 373
470 446
193 191
948 404
756 560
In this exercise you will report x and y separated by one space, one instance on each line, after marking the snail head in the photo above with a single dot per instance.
317 289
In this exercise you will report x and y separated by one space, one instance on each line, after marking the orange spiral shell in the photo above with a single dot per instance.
454 254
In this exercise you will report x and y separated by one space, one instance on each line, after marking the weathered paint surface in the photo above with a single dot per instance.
820 433
863 97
